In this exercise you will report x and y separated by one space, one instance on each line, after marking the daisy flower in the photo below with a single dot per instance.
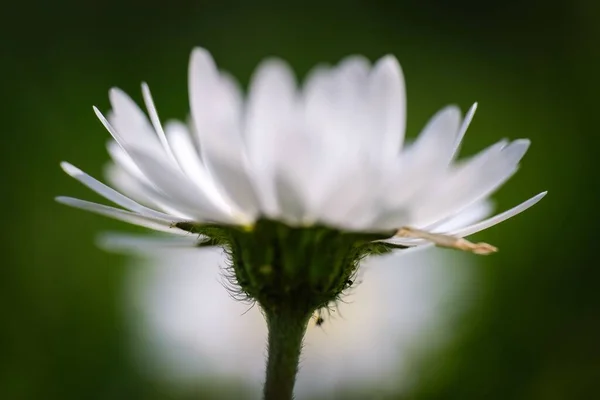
299 184
331 153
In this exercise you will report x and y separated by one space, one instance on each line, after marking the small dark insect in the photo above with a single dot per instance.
349 282
319 321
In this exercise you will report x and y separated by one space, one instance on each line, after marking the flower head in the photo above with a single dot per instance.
330 152
317 174
298 185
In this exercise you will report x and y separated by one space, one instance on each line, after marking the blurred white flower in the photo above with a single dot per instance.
187 327
329 153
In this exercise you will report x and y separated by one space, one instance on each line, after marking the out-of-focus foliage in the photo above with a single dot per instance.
532 333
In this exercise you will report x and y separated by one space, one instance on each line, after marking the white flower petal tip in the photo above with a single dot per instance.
447 241
200 52
108 126
463 128
149 101
522 144
450 113
470 114
201 61
467 121
70 169
480 226
390 66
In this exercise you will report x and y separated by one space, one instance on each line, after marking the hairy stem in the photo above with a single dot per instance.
286 332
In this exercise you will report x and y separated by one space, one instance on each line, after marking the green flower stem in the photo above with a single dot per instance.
286 332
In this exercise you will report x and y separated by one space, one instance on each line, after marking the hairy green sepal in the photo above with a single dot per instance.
303 267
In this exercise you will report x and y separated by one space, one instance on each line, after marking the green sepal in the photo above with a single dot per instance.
276 264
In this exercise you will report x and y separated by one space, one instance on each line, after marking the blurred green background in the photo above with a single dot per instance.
533 331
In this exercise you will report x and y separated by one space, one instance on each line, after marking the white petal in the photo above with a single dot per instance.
337 139
350 203
113 132
271 119
271 105
141 191
156 120
435 143
156 224
124 161
127 177
131 124
110 193
463 129
460 182
390 219
142 244
336 105
469 230
188 158
123 156
216 110
163 173
472 182
425 162
184 193
210 106
471 215
387 103
483 157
